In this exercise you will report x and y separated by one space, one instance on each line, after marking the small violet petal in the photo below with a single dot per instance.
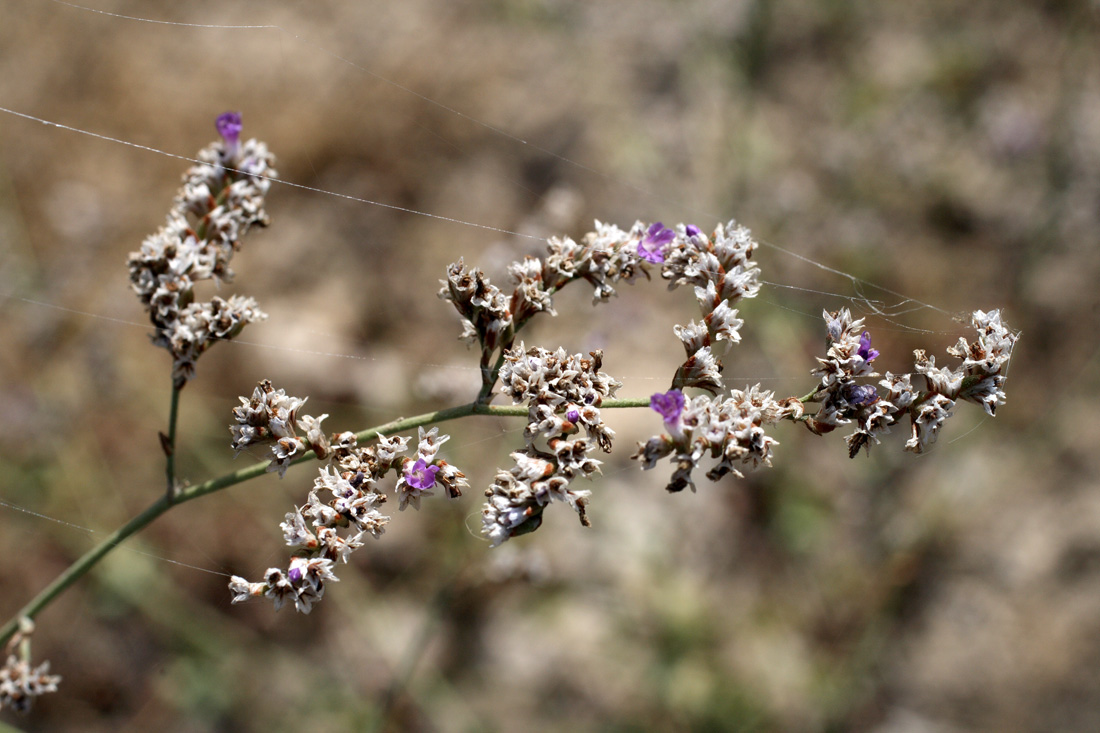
229 127
421 475
657 234
650 248
654 256
669 405
865 349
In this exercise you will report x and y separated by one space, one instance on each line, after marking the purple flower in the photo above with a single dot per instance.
229 127
865 349
860 395
692 230
295 575
421 475
650 248
573 415
670 404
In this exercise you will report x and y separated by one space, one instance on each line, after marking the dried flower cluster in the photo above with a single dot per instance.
718 267
978 379
345 495
270 416
20 683
563 394
220 200
847 358
562 391
492 318
731 430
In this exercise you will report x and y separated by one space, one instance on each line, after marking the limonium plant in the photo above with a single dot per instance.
564 397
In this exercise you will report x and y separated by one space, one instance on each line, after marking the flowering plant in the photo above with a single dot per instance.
563 396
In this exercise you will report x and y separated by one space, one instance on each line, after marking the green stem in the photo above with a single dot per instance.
89 560
489 379
83 565
25 645
170 442
809 397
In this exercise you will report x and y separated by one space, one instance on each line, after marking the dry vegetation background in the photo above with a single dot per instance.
946 150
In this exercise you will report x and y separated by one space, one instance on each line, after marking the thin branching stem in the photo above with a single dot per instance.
809 397
170 441
489 379
91 558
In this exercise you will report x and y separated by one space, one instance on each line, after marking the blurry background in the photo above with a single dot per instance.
948 151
